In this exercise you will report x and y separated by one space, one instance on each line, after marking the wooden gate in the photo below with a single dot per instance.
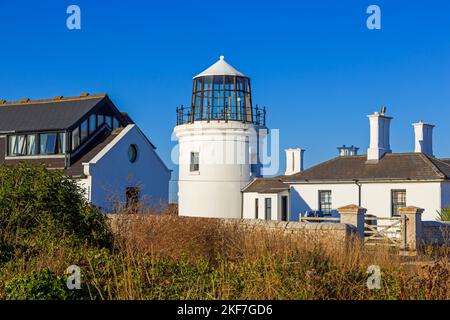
384 231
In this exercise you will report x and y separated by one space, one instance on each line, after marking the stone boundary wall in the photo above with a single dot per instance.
435 232
322 230
339 231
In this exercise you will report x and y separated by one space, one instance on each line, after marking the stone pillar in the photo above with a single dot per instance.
412 229
354 215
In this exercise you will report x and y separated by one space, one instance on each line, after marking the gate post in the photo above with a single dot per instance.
354 215
411 229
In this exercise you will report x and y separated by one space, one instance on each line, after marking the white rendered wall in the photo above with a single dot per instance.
111 172
85 185
249 210
225 168
445 195
375 197
305 197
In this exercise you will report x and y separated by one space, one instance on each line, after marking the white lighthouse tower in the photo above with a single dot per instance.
219 141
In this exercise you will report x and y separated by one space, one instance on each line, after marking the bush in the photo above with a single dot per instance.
34 200
444 214
6 252
38 285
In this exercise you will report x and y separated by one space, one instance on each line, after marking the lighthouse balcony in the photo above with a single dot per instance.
256 116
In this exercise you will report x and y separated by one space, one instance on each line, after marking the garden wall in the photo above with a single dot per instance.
435 232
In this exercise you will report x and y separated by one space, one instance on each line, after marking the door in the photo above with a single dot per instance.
284 208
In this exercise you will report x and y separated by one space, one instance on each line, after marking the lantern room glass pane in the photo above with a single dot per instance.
221 97
207 83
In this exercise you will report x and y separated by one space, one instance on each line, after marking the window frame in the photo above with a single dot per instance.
85 122
329 204
116 123
58 150
11 147
393 205
256 208
75 134
194 166
35 149
268 208
92 124
109 121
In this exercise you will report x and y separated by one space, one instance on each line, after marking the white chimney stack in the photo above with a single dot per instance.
379 136
294 161
423 140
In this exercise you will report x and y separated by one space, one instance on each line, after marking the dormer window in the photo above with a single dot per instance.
31 144
92 123
100 119
108 120
116 123
89 126
36 144
17 145
51 143
84 130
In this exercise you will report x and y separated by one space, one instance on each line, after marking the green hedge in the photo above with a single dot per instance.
34 200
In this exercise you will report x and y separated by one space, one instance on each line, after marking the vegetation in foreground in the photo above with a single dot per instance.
45 226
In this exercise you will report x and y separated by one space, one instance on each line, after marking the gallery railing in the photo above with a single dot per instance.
255 115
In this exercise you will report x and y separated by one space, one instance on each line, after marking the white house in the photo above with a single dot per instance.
125 167
92 141
381 181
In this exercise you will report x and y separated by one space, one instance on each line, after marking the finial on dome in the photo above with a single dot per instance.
221 57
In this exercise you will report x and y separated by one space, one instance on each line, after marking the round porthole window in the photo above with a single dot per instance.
132 153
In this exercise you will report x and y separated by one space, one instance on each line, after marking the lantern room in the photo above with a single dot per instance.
221 93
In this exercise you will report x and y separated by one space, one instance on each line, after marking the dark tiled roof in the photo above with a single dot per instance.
266 185
76 169
443 165
53 114
397 166
445 160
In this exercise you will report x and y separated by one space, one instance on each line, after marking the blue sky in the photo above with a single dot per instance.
314 64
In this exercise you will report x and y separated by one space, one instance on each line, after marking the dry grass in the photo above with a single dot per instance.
261 264
163 256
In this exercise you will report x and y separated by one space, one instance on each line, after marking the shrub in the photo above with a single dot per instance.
38 285
34 200
444 214
6 252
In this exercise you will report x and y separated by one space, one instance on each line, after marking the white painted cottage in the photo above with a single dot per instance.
91 141
381 181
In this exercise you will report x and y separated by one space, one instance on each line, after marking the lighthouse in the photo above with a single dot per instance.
220 136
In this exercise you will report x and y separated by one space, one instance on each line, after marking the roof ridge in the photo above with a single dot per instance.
249 184
428 161
441 163
4 103
400 154
313 167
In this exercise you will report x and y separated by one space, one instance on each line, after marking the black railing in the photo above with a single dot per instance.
255 115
